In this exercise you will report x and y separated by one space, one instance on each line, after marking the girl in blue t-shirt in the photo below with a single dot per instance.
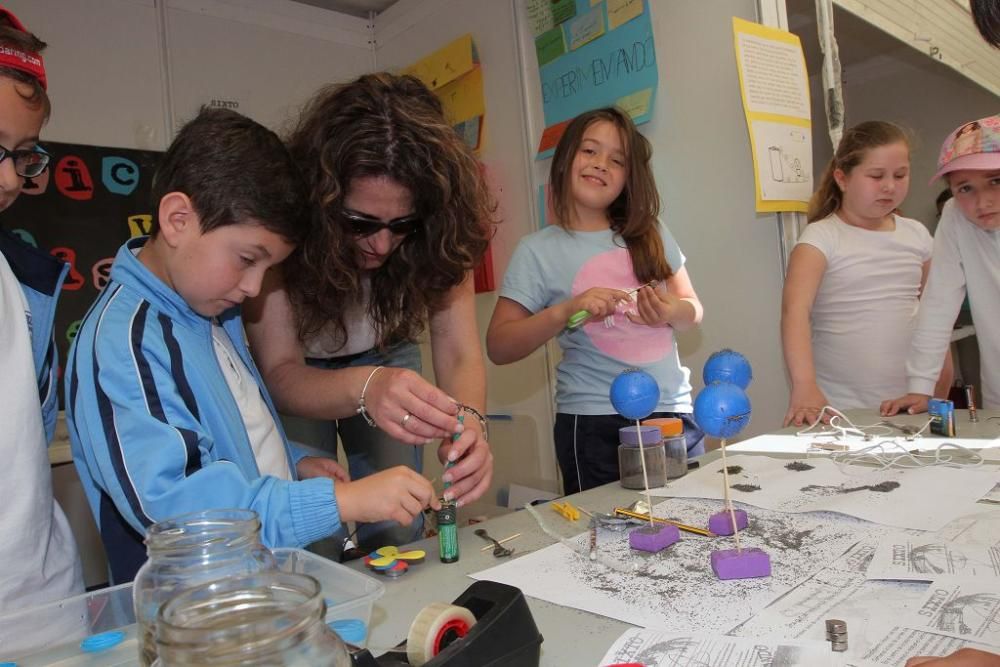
608 255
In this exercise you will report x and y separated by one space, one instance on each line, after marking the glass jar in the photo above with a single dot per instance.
189 550
631 457
271 618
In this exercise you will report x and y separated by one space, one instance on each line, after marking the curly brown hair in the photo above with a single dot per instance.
385 125
15 38
633 215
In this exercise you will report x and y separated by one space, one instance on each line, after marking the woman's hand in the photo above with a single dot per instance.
472 473
409 408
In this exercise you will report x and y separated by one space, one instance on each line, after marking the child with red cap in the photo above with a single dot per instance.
37 551
966 260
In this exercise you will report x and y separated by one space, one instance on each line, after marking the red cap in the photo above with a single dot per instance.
28 62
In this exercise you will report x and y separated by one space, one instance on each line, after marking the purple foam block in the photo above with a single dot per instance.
742 564
721 523
653 539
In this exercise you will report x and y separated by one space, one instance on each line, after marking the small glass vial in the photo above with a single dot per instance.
674 444
189 550
271 618
630 460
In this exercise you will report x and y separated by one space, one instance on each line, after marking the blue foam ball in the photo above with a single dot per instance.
722 409
727 366
634 394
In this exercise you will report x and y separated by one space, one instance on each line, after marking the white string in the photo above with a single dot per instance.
840 426
888 454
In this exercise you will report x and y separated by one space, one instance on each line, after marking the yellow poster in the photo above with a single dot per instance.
454 74
774 87
446 64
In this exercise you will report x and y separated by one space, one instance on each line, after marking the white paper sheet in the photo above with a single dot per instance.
963 608
676 589
652 648
922 498
801 444
900 644
926 559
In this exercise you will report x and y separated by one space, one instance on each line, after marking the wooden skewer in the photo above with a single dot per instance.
645 517
506 539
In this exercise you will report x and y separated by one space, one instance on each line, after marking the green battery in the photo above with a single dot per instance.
447 519
448 532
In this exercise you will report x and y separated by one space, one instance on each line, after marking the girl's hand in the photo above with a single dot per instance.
805 405
655 306
911 404
394 393
320 466
397 494
966 657
598 301
473 472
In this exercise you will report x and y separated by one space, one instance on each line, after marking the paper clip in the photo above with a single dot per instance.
568 512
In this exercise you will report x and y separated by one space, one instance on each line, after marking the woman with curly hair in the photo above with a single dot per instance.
400 216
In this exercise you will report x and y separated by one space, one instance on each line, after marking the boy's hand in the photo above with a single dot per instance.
320 466
394 393
911 403
397 494
598 301
805 405
473 472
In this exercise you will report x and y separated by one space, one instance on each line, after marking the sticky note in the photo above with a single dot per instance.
550 45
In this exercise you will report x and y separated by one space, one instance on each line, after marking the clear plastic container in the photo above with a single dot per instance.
349 596
270 618
193 549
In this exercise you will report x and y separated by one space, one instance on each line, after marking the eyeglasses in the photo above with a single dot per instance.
27 163
366 225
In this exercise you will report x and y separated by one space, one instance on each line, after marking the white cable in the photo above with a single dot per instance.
883 457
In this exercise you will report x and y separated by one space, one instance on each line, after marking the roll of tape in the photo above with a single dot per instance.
434 629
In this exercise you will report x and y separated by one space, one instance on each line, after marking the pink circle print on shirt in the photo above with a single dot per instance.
617 336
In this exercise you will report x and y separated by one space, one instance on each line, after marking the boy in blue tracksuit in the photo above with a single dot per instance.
167 413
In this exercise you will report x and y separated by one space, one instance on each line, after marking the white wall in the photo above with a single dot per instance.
108 67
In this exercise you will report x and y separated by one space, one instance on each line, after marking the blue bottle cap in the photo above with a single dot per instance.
103 641
351 630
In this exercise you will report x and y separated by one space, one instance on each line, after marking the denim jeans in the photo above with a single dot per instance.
369 450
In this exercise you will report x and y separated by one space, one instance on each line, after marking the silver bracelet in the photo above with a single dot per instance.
361 401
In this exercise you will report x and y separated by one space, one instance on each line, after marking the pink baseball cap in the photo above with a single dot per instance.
974 145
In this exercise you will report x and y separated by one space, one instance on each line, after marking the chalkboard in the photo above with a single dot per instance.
90 201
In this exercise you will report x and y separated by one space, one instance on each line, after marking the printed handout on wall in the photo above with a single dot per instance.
774 87
784 160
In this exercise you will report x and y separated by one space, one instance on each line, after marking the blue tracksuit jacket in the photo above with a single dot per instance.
41 276
156 431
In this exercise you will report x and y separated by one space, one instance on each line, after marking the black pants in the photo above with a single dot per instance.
587 446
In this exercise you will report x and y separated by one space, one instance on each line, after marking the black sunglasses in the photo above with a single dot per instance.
27 163
366 225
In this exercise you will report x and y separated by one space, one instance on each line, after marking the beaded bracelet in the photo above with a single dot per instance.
483 422
361 401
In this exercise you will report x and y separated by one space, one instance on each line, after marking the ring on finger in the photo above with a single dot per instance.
405 418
